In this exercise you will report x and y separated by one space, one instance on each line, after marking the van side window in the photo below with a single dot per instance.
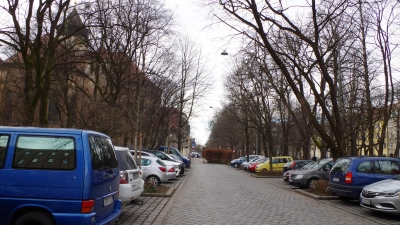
386 167
44 152
365 167
102 152
3 148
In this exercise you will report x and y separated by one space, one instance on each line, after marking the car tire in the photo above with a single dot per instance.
35 218
309 182
344 198
235 165
153 179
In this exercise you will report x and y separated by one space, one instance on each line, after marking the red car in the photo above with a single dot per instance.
252 166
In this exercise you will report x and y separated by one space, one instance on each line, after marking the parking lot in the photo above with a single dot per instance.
220 194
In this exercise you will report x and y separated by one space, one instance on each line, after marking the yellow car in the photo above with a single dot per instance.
277 164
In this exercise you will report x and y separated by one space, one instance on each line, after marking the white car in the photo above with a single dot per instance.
131 184
171 165
154 170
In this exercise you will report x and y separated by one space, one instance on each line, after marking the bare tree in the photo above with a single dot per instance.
34 33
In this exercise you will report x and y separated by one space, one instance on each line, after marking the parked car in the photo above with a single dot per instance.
252 166
287 174
172 169
131 184
296 164
176 152
154 170
318 171
246 164
165 157
277 164
169 162
238 162
350 174
57 176
382 196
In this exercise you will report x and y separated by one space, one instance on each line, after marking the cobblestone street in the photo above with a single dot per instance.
219 194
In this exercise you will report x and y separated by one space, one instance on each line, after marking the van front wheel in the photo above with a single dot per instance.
35 218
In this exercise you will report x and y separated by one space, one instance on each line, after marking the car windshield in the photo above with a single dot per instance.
308 165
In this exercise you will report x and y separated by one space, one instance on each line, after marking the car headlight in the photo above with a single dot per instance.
298 176
390 193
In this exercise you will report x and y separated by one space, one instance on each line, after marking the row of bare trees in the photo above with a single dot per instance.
316 71
116 67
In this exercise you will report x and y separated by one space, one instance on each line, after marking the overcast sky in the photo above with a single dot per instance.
193 20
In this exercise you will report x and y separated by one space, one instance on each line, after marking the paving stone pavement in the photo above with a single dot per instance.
219 194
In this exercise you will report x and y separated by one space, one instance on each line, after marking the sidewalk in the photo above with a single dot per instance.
146 209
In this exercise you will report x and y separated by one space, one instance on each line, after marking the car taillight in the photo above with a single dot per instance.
348 178
123 177
87 206
162 168
171 170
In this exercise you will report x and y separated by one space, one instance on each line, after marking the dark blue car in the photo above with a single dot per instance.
350 174
175 151
237 162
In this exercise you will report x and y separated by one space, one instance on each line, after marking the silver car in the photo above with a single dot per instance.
382 196
318 171
154 170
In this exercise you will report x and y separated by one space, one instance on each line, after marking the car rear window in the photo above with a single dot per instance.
102 152
125 160
160 162
341 165
365 167
386 167
3 148
44 152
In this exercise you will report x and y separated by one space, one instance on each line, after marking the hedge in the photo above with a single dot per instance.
215 155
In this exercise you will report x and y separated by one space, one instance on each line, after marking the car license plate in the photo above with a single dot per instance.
108 200
365 201
335 179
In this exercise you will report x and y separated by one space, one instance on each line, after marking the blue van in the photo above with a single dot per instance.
175 151
52 176
349 175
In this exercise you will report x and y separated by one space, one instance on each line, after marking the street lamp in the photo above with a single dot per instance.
224 52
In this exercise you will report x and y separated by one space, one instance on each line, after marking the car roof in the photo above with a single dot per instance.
46 130
119 148
149 157
366 157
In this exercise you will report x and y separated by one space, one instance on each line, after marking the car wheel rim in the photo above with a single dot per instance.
153 180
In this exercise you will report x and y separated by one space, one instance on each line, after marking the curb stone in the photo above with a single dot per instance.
314 196
255 176
308 194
